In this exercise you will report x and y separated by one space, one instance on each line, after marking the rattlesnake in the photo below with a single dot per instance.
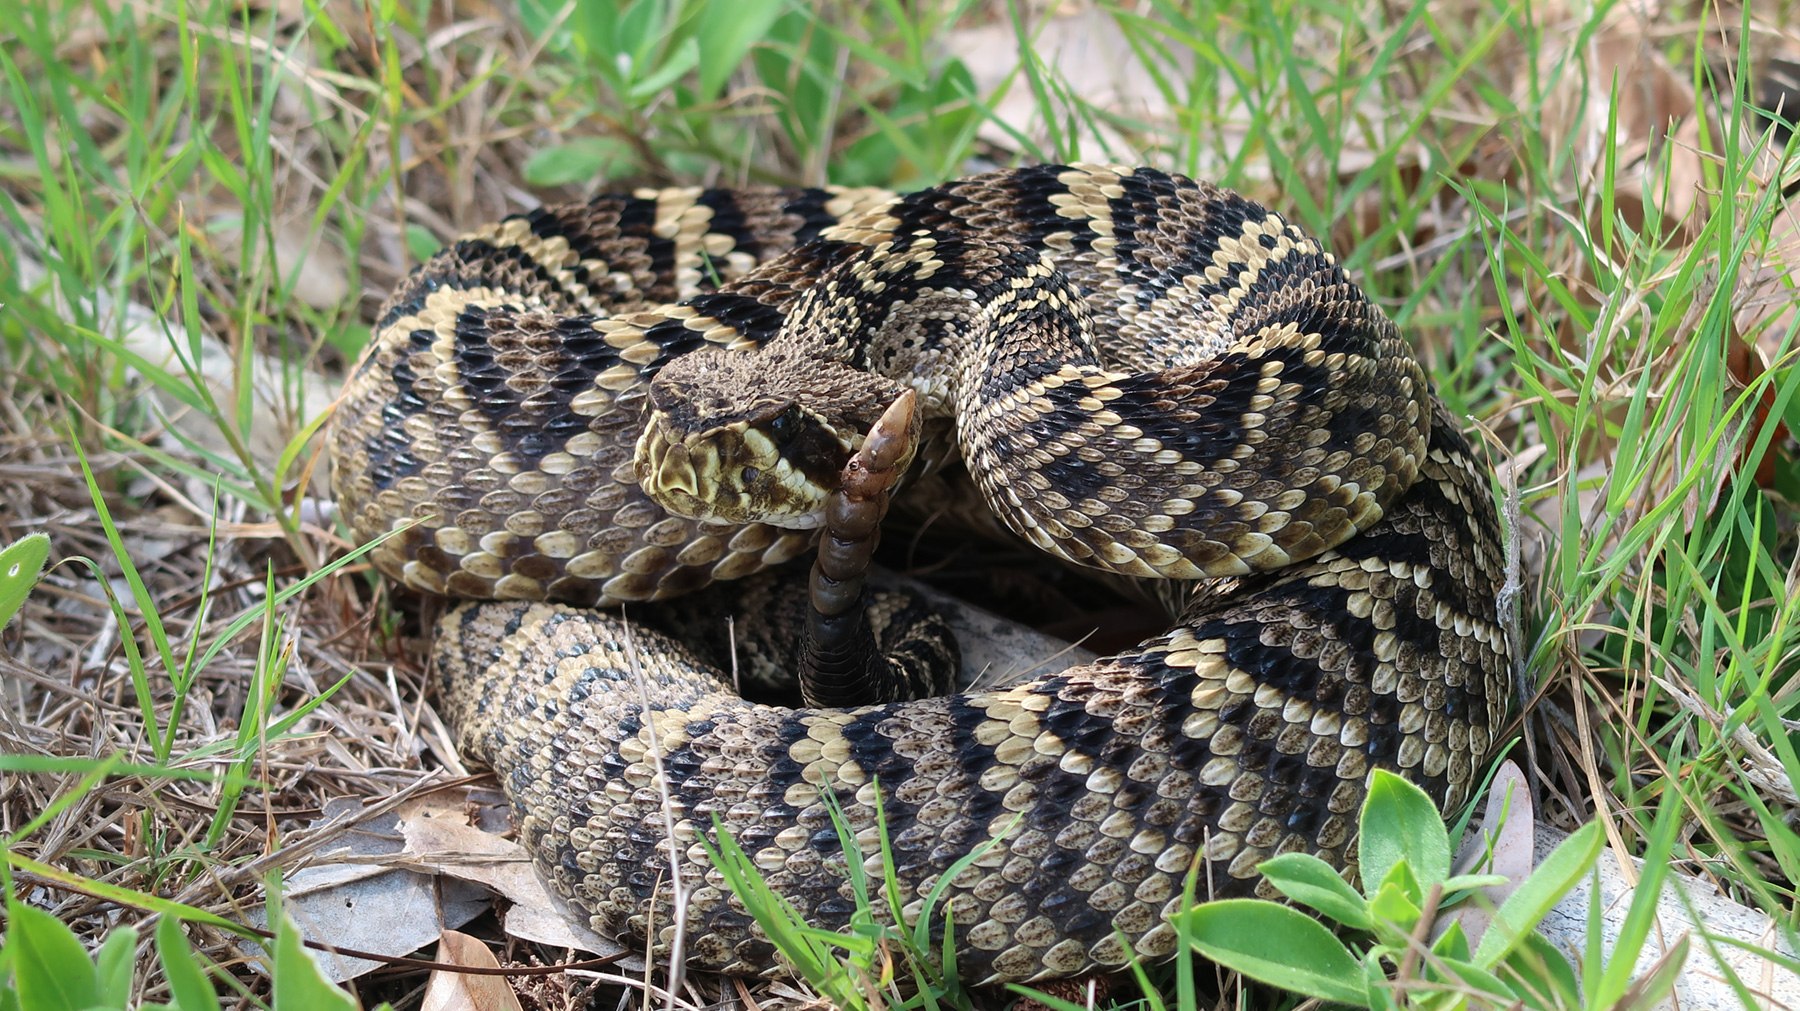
1142 373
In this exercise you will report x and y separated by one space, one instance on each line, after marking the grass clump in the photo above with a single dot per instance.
1579 212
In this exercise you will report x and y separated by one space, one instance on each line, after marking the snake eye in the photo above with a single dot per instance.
785 424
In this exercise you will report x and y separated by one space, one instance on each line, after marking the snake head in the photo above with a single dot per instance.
756 437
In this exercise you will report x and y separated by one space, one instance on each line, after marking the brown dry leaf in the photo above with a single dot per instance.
362 895
1766 303
462 991
386 912
1510 821
1656 107
440 838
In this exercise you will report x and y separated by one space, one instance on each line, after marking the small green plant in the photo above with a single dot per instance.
1406 887
858 970
664 103
43 967
20 565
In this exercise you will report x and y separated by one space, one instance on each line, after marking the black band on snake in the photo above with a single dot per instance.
628 399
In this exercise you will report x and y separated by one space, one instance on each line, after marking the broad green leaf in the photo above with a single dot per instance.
20 565
1375 982
598 23
585 159
795 63
1275 944
1468 882
1544 978
1552 880
50 966
1461 972
1308 880
1399 822
1454 943
1393 911
639 28
1401 876
1641 914
299 985
537 16
112 965
187 981
421 243
728 28
664 77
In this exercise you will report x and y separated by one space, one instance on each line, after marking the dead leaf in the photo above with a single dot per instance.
439 838
1510 822
388 913
462 991
362 894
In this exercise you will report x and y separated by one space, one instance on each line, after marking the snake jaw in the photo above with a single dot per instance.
757 437
769 469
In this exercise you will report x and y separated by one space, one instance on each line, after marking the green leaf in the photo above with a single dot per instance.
1470 882
728 28
1049 1000
299 986
1453 944
187 981
581 160
1525 907
1545 979
51 967
112 964
638 28
1649 989
1277 945
20 565
774 914
598 23
1399 822
1375 982
123 896
1401 876
421 243
1307 879
1393 911
678 63
538 15
1461 972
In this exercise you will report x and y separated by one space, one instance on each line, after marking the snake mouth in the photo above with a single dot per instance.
777 468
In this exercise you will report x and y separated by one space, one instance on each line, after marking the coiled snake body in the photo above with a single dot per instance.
1142 373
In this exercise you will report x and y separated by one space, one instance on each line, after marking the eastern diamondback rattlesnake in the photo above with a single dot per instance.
1142 373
